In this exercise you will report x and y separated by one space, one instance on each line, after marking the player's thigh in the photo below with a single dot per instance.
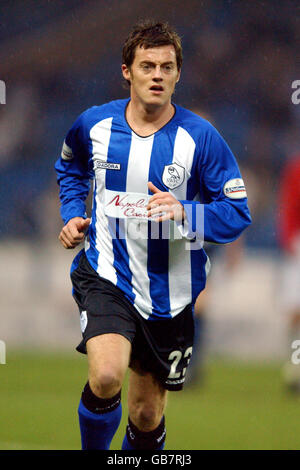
147 399
108 358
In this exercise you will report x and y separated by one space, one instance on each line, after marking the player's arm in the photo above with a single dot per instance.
226 212
222 213
74 182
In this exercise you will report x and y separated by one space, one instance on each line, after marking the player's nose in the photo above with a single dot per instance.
157 75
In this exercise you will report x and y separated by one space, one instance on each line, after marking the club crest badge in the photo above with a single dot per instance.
173 175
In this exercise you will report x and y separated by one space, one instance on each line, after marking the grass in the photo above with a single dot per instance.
238 406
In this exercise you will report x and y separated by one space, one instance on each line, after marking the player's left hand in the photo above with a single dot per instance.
162 202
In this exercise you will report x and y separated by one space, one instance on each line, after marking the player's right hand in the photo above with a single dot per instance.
73 232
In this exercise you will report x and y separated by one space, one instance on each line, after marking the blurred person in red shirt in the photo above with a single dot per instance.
289 240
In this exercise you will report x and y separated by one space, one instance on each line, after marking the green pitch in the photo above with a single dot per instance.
239 406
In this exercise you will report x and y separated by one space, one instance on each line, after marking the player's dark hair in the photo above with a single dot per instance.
150 33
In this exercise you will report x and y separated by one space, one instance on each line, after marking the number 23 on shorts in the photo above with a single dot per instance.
175 357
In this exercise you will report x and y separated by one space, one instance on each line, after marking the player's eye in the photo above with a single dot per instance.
168 68
146 67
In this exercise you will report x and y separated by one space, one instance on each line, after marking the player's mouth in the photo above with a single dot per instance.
156 89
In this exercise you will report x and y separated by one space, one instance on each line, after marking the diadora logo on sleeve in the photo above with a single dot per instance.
173 175
106 165
235 189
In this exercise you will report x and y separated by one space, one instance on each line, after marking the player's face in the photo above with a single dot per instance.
153 75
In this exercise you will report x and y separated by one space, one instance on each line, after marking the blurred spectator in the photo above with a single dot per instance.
289 238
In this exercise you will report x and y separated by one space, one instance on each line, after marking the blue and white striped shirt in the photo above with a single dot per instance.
162 267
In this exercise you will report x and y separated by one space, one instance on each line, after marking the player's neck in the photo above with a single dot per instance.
145 120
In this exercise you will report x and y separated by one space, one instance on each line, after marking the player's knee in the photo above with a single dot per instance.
146 416
106 383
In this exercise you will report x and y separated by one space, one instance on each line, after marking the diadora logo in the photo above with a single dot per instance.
173 175
106 165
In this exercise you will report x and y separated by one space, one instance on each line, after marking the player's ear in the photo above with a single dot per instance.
126 72
178 76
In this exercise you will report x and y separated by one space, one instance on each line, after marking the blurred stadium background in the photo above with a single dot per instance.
58 58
